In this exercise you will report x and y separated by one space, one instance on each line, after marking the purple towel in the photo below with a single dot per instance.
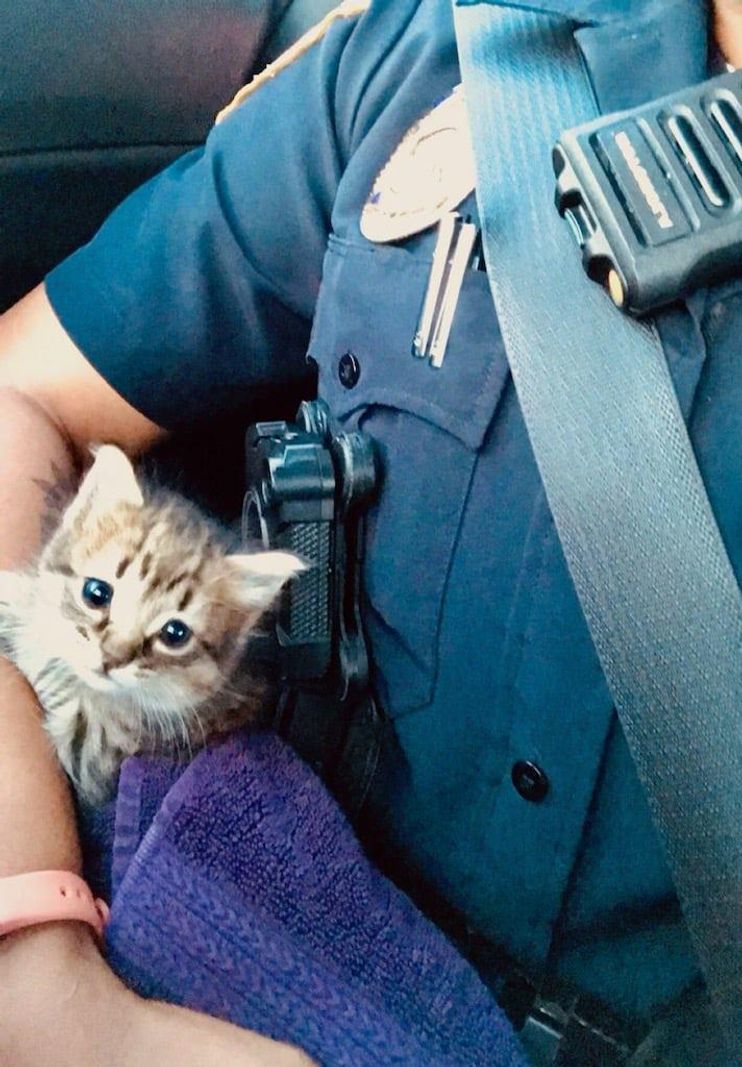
239 889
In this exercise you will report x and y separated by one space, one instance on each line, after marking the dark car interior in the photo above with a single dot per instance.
96 97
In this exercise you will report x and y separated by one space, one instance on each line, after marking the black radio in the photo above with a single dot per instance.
308 486
654 195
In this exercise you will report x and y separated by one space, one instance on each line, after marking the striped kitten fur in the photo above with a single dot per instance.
132 624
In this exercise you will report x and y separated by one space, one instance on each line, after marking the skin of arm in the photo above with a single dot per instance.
728 29
59 1002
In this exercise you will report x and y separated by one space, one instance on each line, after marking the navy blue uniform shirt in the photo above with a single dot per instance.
206 282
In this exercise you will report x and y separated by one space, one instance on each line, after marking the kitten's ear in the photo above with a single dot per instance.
256 578
109 483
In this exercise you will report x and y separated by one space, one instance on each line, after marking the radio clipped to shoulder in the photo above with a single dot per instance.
654 195
308 486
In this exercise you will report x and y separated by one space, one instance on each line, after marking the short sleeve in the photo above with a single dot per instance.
202 284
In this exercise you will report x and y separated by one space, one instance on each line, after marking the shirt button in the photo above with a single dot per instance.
349 370
530 781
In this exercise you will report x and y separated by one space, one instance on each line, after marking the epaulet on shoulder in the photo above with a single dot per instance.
348 9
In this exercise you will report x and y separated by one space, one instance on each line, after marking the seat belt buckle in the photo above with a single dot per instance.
542 1033
557 1034
654 195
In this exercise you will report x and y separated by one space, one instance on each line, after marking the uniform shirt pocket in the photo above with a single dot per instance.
428 425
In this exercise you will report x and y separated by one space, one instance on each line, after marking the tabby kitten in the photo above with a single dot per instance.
131 626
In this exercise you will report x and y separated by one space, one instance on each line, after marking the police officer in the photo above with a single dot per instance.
519 810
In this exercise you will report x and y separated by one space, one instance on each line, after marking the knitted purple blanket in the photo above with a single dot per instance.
239 889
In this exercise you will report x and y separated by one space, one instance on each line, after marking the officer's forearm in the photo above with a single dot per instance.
37 827
36 819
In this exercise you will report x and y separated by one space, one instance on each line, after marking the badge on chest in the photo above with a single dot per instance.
429 173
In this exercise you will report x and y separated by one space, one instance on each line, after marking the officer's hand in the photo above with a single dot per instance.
728 29
60 1004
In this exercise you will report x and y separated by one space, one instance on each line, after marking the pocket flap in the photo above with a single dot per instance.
369 306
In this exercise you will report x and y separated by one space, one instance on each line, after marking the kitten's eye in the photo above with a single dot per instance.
96 592
175 633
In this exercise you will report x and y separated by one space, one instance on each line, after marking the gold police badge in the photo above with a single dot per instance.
429 173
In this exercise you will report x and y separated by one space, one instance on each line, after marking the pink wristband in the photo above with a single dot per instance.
48 896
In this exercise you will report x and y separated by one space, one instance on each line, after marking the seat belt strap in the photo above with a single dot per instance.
647 559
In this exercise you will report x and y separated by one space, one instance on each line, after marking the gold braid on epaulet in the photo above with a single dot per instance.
346 10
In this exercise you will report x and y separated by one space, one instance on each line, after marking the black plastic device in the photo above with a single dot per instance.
654 195
308 485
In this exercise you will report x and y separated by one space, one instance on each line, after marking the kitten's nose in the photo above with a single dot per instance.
117 656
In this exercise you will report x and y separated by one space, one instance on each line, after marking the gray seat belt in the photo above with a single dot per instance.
643 548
